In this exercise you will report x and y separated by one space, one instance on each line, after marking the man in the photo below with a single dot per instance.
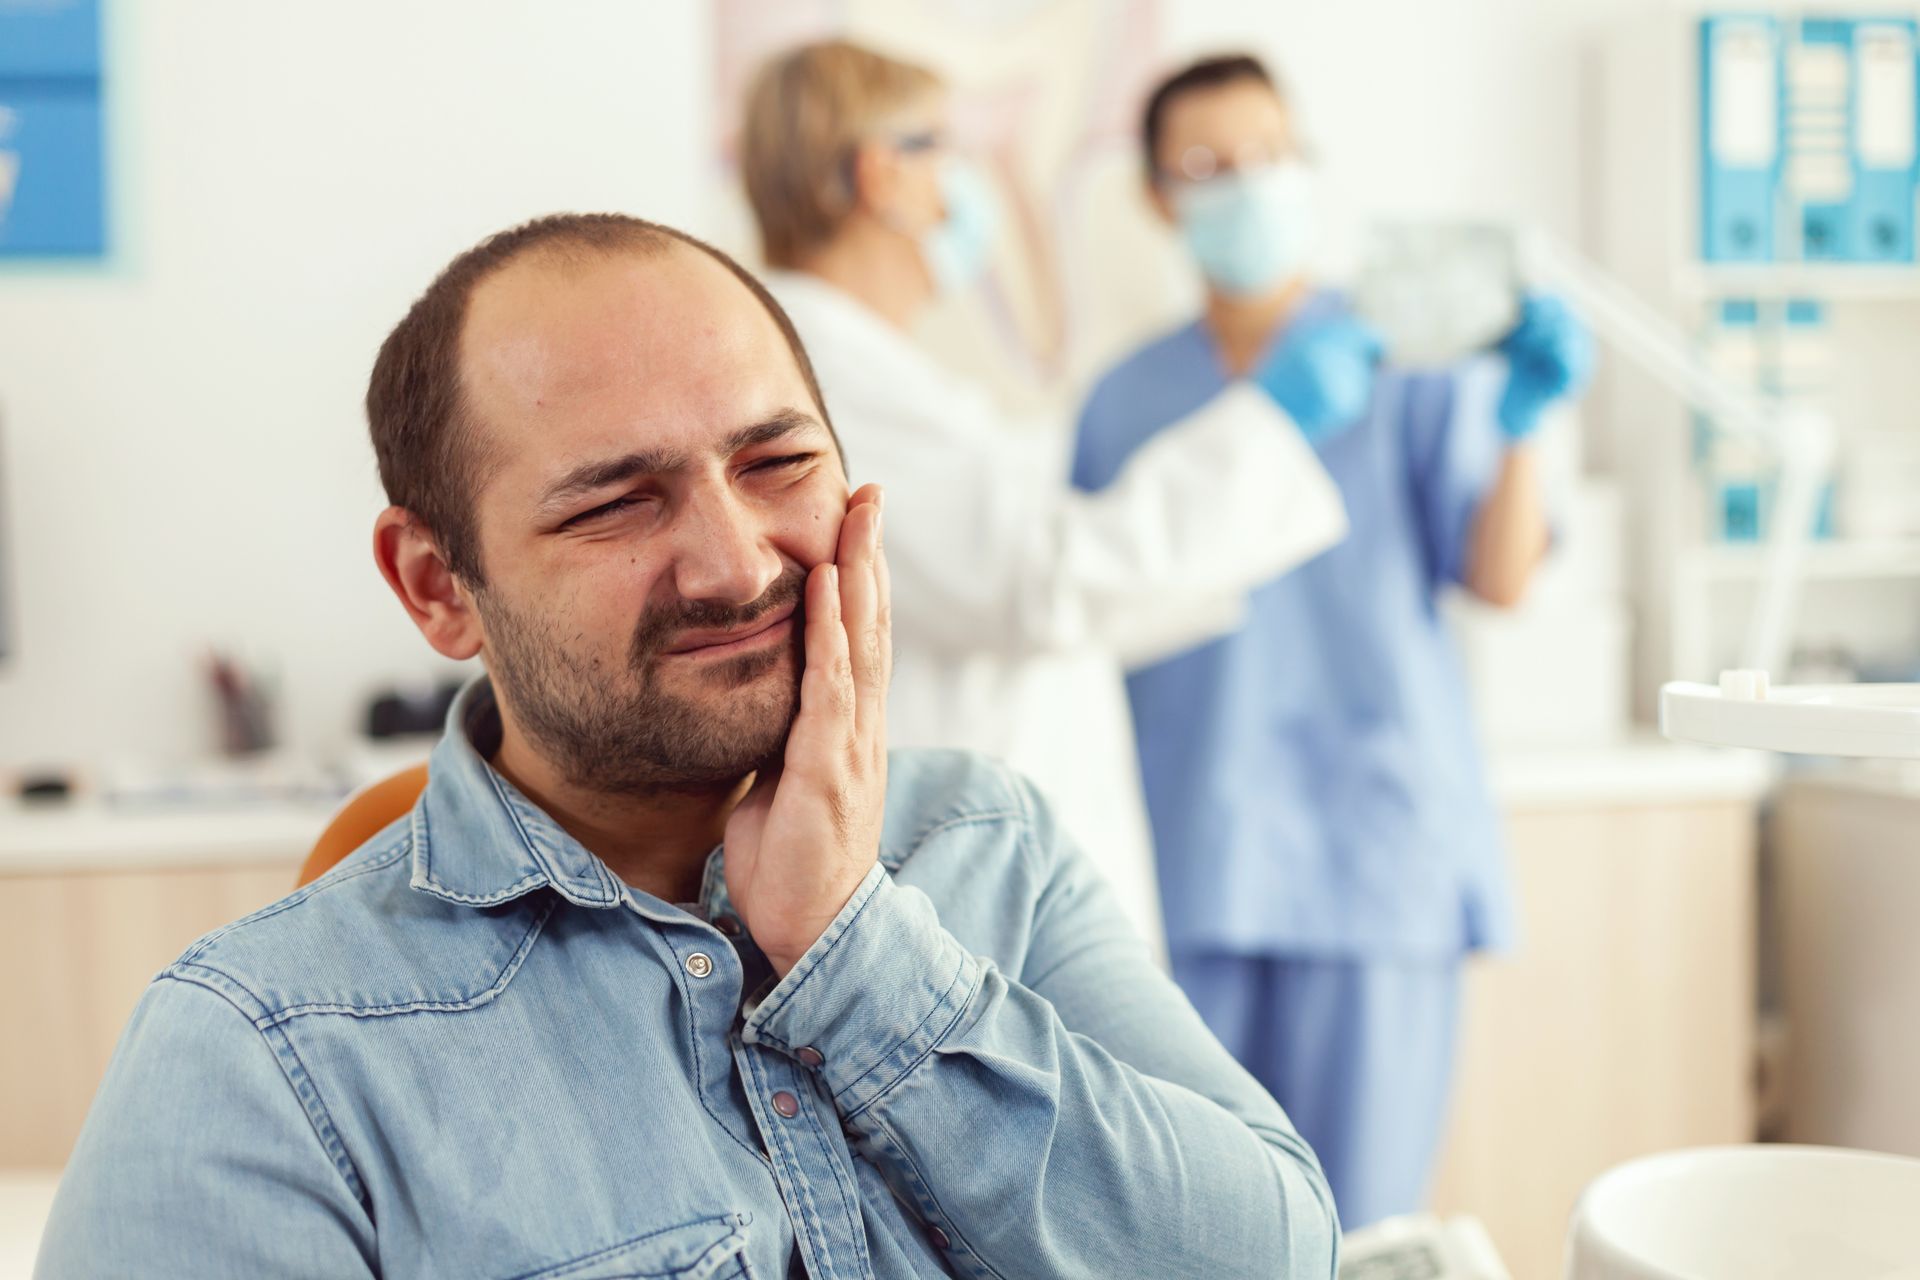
1328 851
671 971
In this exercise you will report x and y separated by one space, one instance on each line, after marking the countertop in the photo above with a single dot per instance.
87 835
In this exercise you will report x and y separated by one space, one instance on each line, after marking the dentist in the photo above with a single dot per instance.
1015 598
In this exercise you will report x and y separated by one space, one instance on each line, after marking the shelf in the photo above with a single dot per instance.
1830 561
1827 280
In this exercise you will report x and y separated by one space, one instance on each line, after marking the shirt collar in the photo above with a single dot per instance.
477 840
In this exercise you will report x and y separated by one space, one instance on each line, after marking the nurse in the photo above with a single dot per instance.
1328 850
1013 595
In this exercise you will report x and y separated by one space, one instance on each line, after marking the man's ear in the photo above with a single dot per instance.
411 562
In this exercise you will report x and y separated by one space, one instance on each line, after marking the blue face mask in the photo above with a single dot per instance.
1249 231
956 250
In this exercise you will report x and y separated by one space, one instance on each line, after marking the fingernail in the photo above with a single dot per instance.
833 577
879 497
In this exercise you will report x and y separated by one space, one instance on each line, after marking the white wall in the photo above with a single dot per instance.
185 456
1447 108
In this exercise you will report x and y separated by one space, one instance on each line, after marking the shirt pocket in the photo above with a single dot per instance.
707 1249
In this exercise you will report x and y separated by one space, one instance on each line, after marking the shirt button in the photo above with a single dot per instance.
699 964
728 925
809 1056
938 1239
786 1104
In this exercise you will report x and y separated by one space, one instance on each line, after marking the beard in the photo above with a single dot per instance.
623 731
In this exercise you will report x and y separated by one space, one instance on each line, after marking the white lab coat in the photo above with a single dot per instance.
1016 599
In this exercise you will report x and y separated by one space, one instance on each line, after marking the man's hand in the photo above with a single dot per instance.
807 832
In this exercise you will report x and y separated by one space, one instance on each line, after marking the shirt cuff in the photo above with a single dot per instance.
872 996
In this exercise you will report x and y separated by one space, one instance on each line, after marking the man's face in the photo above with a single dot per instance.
1239 125
657 485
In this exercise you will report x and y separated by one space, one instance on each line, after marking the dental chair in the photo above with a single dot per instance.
362 816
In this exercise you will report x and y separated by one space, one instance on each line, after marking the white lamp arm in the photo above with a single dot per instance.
1802 438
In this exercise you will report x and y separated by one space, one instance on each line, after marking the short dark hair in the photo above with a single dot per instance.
423 429
1207 73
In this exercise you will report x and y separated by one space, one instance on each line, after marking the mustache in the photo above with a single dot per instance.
659 626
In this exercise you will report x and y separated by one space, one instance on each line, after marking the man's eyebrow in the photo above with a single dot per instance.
610 471
784 423
605 472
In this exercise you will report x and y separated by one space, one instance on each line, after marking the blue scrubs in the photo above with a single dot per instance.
1313 779
1357 1051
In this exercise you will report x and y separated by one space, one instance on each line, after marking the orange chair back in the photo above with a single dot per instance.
365 813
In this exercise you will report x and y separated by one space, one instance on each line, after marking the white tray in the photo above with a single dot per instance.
1878 720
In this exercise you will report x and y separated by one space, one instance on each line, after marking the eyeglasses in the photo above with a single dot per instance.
920 141
1201 164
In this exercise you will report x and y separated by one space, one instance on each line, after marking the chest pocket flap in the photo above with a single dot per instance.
709 1249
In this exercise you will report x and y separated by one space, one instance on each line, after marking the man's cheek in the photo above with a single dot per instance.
819 535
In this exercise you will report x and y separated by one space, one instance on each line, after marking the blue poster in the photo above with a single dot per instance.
50 173
49 39
52 149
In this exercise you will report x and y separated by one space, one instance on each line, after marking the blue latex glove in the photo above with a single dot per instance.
1322 375
1549 356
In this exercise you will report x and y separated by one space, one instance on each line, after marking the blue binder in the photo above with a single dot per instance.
1882 139
1740 137
1828 222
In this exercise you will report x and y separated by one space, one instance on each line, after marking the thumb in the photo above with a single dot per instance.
759 797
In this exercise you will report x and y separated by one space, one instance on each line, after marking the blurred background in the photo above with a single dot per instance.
212 212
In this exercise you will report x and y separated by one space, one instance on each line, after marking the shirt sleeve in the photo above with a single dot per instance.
1229 498
199 1158
1454 447
990 548
1075 1121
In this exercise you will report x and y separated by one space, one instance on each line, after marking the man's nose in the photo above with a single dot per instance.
724 555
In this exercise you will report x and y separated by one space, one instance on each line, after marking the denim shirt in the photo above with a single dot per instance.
471 1051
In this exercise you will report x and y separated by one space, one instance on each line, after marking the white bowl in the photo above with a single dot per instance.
1751 1213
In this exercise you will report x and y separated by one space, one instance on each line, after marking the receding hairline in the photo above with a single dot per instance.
559 260
430 462
574 258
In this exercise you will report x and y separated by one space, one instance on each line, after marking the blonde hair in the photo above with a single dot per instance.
807 112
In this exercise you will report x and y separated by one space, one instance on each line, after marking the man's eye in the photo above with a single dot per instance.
781 463
600 512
